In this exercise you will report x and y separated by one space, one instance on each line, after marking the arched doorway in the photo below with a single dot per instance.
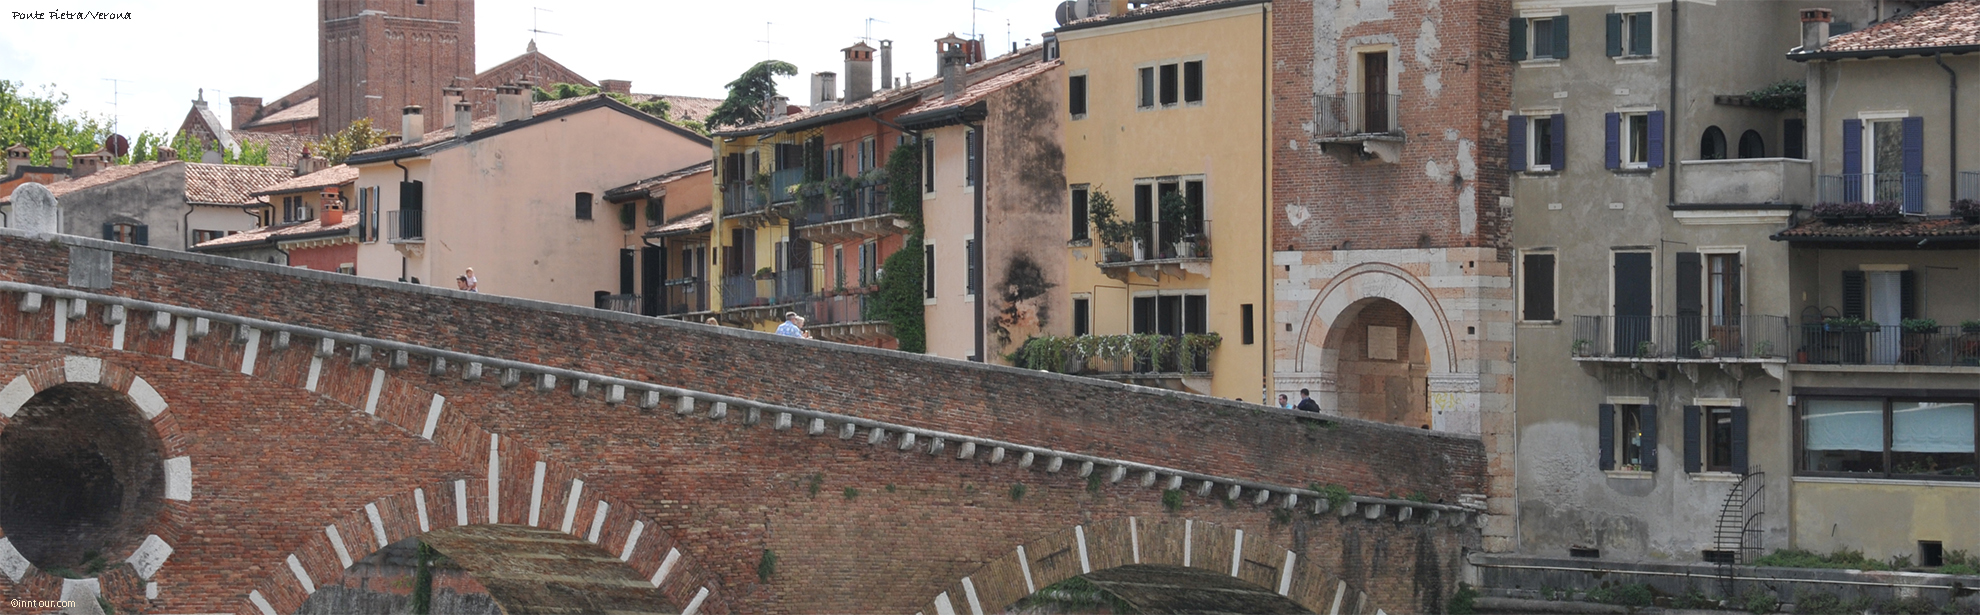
1384 364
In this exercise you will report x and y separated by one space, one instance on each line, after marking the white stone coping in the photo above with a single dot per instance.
845 421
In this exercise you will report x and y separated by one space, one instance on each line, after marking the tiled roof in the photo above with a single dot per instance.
683 107
660 180
984 89
283 149
333 176
884 98
433 137
105 176
229 183
1952 24
277 233
1155 9
688 223
306 110
1896 230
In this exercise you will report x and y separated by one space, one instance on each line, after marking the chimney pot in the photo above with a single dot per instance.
17 157
59 157
824 89
413 123
308 164
525 105
167 153
449 96
887 65
332 207
508 103
859 72
1815 28
463 119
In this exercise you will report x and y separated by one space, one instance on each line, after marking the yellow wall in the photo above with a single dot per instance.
766 237
1221 139
1884 520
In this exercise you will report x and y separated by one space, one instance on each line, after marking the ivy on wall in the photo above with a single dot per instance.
900 288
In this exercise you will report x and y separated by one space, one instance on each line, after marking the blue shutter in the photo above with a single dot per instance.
1517 29
109 231
1561 37
1516 143
141 235
1852 150
1656 130
1693 448
1739 440
1612 140
1614 26
1914 165
1558 129
1605 425
1646 419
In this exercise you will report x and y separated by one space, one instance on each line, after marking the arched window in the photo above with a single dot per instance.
1713 145
1751 146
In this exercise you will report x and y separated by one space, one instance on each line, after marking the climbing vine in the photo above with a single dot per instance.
900 286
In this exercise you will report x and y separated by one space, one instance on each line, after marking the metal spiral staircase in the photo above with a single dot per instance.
1737 533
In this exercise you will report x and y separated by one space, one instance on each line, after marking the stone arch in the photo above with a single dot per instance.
142 560
1349 291
1198 551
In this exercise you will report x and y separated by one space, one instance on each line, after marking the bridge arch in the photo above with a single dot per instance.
1125 554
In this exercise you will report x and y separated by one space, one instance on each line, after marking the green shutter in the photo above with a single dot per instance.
1614 26
1517 30
1640 36
1561 37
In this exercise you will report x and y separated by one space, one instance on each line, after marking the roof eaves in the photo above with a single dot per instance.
1897 52
946 116
1157 14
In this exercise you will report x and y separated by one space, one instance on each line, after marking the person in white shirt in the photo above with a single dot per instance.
793 326
473 285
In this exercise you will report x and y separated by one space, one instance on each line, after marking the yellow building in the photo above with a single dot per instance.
1167 104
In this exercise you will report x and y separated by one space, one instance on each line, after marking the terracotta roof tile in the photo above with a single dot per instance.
276 233
333 176
1951 24
687 223
1154 9
987 68
306 110
1818 229
229 183
485 123
984 88
660 180
112 174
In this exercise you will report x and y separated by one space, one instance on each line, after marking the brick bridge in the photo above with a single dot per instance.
231 437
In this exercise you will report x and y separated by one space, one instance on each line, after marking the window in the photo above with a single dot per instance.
869 263
202 236
928 166
124 232
1160 239
1927 438
1884 161
1076 96
1170 90
296 209
1537 287
1079 219
1793 135
1542 143
835 162
628 215
1712 146
1147 88
365 218
869 154
1632 300
1192 79
1537 143
584 206
1751 145
1628 434
1631 35
1634 140
656 210
839 266
1082 314
1718 443
1539 38
969 276
1246 315
347 269
928 272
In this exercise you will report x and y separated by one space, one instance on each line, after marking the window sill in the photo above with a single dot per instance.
1078 116
1888 482
1080 243
926 302
1634 170
1716 477
1540 173
1540 63
1650 59
1539 324
1630 474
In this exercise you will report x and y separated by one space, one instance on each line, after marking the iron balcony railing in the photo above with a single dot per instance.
783 184
1681 337
782 287
407 225
1852 343
742 198
1114 356
1358 113
618 303
1906 189
684 295
839 310
852 204
1969 186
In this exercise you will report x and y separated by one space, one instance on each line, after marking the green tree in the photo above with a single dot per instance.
656 107
338 146
146 147
747 94
36 120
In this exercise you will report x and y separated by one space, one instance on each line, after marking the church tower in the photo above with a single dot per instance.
375 57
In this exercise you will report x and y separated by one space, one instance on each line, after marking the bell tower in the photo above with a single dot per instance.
375 57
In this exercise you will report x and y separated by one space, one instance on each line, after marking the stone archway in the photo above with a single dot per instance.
1381 364
1454 394
1167 565
492 569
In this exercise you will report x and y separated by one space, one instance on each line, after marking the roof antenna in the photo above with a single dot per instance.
534 30
115 94
767 54
869 28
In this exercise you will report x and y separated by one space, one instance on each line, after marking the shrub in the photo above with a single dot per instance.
1017 491
1464 601
1917 605
1881 209
1966 207
1759 601
1172 499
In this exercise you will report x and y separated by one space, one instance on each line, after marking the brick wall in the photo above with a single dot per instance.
856 527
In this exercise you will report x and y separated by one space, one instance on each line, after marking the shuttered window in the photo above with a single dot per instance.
1082 317
1171 90
1539 38
1628 437
1631 34
584 206
928 165
928 271
1537 287
1147 88
1715 439
1076 96
1080 223
1193 81
1516 149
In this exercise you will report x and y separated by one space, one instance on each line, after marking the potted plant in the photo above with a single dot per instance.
1176 218
1849 325
1580 347
1969 326
1113 232
1919 325
1764 349
1200 344
1968 209
1706 348
765 274
1645 348
1857 211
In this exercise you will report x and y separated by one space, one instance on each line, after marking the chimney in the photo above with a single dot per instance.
413 123
88 164
780 105
952 55
616 86
17 157
824 88
886 64
463 118
245 108
333 207
58 157
508 103
526 104
859 72
1117 7
167 153
449 96
307 164
1815 29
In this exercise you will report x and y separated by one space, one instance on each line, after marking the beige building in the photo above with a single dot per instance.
516 196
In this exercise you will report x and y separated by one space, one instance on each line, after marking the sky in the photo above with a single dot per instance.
146 70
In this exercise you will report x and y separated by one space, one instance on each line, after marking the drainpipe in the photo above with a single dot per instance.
185 227
1671 125
1259 314
982 186
1952 93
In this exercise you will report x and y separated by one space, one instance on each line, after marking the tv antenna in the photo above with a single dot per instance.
534 25
869 28
115 94
973 10
767 54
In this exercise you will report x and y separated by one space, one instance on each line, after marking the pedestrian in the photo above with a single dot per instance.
712 323
473 285
793 326
460 282
1283 403
1306 401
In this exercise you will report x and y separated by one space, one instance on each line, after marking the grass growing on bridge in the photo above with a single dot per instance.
766 566
851 493
1017 491
1172 499
1073 595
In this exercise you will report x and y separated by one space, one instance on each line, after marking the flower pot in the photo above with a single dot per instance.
1708 352
1140 253
1185 249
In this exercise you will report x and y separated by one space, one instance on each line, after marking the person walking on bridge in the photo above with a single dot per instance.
1306 401
793 326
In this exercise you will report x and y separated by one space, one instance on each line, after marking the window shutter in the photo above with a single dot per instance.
1605 424
141 235
1193 82
1561 37
1739 440
1612 140
1557 128
1656 138
1908 294
109 231
1646 418
1690 300
1852 156
1914 165
1516 143
928 274
1693 449
1079 214
1852 287
1516 28
1794 137
1614 25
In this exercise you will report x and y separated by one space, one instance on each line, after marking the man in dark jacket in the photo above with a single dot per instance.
1306 401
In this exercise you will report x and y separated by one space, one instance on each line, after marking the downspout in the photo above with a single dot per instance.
185 227
1952 93
975 151
1265 298
404 267
1671 126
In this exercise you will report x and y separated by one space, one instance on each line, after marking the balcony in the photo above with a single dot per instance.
855 213
741 199
617 303
1152 359
1359 125
1850 342
749 299
407 225
1906 189
1160 254
783 185
1969 186
1688 341
1757 182
847 318
683 296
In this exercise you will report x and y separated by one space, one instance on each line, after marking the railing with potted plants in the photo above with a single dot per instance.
841 198
1680 337
684 295
1857 211
1178 235
1133 353
1968 209
1913 341
765 287
1894 188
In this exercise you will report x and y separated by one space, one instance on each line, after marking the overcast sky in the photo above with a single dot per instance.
169 50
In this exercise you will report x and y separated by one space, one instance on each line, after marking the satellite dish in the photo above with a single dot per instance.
1065 12
117 145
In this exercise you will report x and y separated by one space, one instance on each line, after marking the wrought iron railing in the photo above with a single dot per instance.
1907 189
1857 343
618 303
741 198
783 184
838 310
1681 337
1358 113
779 288
684 295
852 204
407 224
1969 186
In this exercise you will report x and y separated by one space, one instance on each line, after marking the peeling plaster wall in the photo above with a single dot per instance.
1025 216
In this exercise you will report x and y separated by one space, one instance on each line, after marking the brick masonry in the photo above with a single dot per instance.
856 527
